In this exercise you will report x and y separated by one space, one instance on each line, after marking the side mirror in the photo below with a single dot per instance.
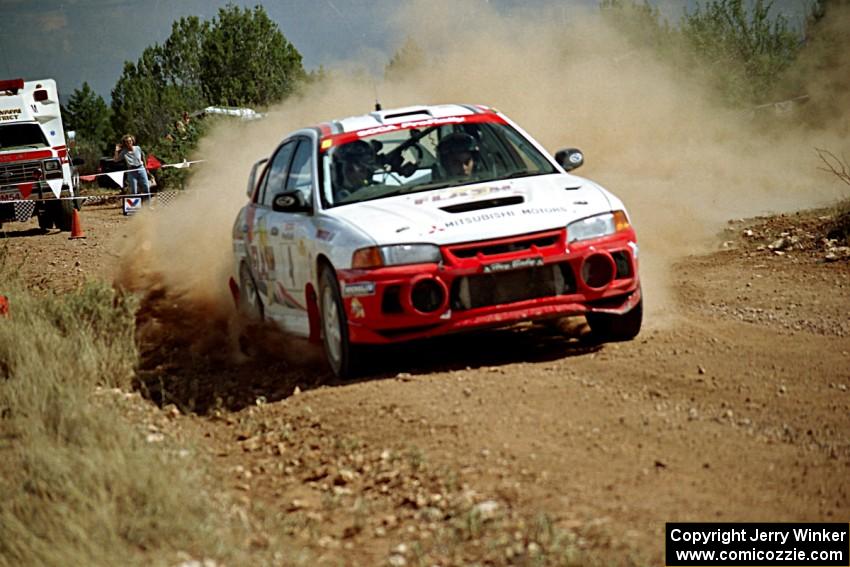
252 178
570 158
290 202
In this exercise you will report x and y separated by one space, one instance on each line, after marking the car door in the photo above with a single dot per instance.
260 240
292 234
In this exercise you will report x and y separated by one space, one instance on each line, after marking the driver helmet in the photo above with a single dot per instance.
455 143
355 164
358 152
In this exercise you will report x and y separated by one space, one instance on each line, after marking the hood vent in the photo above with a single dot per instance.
485 204
412 113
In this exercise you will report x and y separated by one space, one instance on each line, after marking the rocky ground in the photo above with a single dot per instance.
519 446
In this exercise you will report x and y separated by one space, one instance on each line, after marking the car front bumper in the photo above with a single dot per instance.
492 283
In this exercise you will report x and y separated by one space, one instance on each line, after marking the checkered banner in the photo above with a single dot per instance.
24 210
160 199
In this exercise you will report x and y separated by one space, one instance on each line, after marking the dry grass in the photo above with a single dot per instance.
79 485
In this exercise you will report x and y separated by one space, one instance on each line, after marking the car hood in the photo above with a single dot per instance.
478 211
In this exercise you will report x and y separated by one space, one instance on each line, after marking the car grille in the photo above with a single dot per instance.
492 248
21 172
484 290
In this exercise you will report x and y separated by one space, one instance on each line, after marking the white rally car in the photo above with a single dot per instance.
422 221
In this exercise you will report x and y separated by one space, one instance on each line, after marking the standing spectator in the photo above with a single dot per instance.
134 159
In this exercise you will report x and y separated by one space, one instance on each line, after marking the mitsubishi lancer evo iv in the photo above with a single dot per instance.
423 221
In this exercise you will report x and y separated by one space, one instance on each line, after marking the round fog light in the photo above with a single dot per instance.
427 295
597 271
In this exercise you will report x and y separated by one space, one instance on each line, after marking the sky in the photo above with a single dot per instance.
74 41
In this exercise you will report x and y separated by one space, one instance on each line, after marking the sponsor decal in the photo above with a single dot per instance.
497 215
282 297
358 289
10 196
325 235
9 114
288 231
544 210
357 310
461 193
132 205
517 264
480 218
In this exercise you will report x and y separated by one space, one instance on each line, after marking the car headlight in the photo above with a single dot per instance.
395 255
51 167
597 226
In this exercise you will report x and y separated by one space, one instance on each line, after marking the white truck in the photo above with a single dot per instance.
37 175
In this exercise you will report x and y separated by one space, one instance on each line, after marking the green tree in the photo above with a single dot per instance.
746 49
88 115
181 56
246 61
144 102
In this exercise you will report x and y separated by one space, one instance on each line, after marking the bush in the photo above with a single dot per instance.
80 486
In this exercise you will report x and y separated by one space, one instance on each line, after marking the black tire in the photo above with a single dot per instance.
607 328
45 217
250 303
341 355
64 217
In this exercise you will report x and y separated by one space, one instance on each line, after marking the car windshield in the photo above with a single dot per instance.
395 160
16 136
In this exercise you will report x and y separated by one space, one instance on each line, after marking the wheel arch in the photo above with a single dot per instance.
311 292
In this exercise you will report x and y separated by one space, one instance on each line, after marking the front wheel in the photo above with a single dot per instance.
340 353
45 218
606 327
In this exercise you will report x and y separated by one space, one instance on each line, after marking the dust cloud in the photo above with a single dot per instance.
682 164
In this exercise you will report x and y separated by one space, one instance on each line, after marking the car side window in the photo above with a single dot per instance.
301 172
273 183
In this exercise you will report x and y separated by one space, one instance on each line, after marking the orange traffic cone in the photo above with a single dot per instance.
76 226
4 306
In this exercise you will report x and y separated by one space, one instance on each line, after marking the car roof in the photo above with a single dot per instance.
380 118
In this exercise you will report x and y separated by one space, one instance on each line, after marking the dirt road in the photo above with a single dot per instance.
520 445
